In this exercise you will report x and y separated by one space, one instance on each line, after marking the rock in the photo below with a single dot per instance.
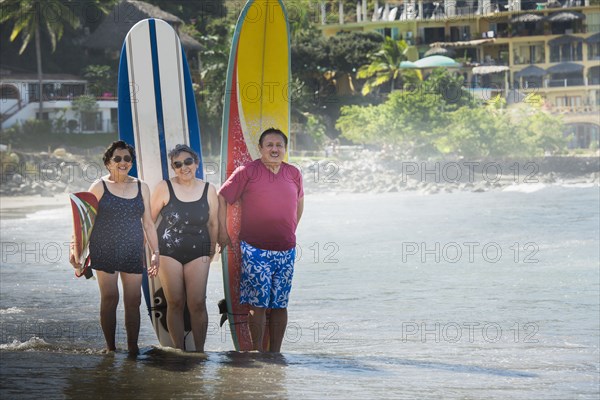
18 179
479 188
13 158
60 152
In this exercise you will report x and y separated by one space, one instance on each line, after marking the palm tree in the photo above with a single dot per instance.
385 65
31 18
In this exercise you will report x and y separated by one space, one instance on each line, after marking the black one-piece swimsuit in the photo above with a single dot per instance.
183 231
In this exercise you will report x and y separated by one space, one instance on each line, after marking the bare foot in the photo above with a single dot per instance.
133 350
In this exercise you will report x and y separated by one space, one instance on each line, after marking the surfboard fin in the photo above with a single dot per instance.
223 311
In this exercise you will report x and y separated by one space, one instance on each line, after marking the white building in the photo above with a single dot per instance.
19 102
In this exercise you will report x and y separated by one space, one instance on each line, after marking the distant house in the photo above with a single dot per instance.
108 37
20 98
20 94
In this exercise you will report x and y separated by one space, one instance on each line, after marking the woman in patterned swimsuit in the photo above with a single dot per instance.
117 242
187 235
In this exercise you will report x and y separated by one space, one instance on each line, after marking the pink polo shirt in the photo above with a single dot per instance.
269 204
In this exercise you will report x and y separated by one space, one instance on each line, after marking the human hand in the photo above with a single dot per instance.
154 264
73 259
223 240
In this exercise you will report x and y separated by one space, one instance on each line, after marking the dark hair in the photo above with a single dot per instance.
119 144
271 131
180 148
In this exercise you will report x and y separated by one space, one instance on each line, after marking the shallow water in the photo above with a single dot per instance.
464 295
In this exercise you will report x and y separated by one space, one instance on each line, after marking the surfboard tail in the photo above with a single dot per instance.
84 206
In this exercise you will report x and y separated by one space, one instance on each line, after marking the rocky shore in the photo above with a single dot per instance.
49 175
377 172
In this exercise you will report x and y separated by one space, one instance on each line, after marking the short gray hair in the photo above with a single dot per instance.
184 148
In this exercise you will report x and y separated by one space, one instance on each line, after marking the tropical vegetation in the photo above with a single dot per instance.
349 86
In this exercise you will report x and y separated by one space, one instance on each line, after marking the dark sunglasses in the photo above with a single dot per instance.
118 159
178 164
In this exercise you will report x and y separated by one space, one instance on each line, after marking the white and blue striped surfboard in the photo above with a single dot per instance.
157 111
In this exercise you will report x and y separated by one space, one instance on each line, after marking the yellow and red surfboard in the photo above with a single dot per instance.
257 97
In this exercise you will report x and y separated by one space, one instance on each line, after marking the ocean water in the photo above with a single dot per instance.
396 296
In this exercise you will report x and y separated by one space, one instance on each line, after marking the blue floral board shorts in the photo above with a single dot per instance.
266 276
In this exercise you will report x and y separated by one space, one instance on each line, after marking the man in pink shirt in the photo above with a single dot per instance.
272 201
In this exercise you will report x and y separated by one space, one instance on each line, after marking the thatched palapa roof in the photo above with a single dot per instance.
529 17
565 16
468 43
440 51
112 31
489 69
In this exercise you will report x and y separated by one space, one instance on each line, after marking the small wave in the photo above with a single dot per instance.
582 185
38 344
35 343
46 215
525 188
12 310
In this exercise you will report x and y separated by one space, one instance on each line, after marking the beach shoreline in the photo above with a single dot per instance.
21 206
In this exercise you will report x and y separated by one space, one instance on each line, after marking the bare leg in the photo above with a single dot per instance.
256 320
196 276
132 297
277 324
109 299
171 277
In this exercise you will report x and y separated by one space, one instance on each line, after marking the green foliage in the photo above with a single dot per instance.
101 79
214 56
491 131
37 135
85 103
197 13
25 16
301 16
430 122
315 127
350 50
384 66
309 54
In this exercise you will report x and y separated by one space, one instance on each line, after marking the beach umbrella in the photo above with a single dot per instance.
408 65
437 62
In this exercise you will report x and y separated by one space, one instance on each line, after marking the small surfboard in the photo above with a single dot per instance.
85 208
157 111
256 98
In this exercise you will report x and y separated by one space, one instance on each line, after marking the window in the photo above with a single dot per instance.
9 92
568 101
594 51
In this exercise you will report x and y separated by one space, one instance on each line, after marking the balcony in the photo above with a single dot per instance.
565 82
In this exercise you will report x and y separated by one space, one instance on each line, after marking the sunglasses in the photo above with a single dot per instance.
178 164
118 159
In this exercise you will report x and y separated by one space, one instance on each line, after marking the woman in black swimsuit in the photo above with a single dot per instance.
117 242
187 235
